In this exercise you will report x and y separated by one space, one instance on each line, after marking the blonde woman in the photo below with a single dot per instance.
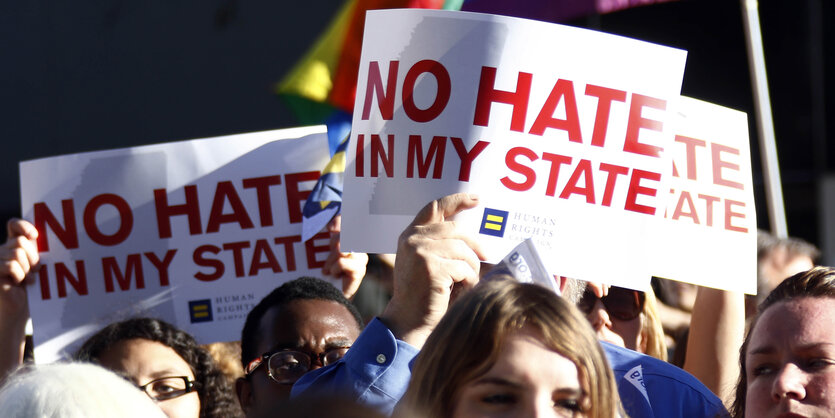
652 331
507 347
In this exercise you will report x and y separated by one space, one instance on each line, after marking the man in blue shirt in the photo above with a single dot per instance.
302 325
435 261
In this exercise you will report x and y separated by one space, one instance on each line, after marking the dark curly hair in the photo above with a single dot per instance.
213 388
303 288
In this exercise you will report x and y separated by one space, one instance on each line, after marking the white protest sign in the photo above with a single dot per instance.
711 217
193 232
560 131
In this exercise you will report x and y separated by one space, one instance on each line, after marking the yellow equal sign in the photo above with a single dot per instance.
489 222
200 311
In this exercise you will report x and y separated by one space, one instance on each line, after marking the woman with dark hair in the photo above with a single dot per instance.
511 349
167 364
787 362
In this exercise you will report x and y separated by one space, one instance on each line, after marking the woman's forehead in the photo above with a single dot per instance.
306 322
143 359
795 322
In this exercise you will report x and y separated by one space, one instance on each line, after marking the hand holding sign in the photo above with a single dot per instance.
347 267
433 256
19 256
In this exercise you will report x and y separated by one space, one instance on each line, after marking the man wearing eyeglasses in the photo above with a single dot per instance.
300 326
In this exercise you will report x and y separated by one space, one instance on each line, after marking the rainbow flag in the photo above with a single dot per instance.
322 85
325 200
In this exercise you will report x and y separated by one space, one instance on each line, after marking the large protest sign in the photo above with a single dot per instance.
193 232
711 231
561 131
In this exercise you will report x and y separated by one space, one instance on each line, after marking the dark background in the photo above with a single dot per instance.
100 74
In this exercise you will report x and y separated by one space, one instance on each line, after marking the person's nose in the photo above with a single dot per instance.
316 362
790 383
543 407
599 316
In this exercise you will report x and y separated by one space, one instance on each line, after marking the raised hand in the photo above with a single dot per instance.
435 260
347 267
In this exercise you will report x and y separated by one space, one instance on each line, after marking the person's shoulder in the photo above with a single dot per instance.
663 385
375 371
623 360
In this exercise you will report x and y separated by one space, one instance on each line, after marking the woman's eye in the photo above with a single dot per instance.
163 388
499 399
818 363
761 369
570 404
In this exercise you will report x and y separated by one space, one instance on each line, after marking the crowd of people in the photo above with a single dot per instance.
447 344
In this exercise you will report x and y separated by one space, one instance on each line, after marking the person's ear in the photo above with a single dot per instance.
243 388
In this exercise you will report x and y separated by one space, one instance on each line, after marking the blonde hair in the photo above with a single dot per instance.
652 333
467 341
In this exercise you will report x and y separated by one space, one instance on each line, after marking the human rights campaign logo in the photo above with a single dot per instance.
493 222
200 310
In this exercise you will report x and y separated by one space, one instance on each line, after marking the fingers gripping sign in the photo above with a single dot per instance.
435 260
348 267
19 253
600 289
18 257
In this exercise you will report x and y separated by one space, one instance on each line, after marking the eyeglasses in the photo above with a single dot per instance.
166 388
286 366
622 304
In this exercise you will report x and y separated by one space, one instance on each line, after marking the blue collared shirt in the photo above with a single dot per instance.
374 372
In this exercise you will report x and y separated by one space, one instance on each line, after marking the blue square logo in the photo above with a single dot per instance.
200 310
494 222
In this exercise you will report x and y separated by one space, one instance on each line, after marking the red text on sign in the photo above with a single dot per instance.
581 181
385 94
114 272
700 210
182 205
417 159
250 258
563 92
721 161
